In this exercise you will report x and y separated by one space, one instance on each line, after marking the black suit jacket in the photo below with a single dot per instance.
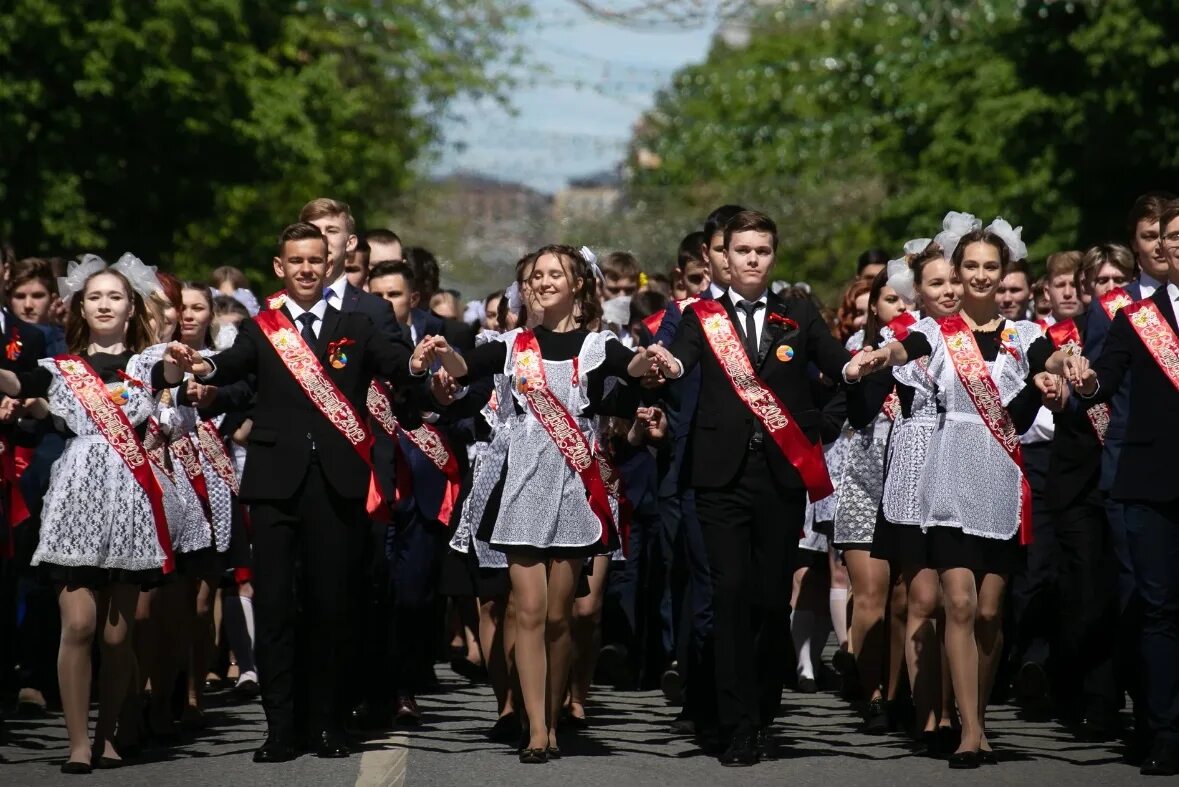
1146 467
376 308
287 424
32 349
722 424
1074 466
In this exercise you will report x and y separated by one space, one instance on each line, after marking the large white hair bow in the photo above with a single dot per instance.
515 301
1012 237
900 278
954 226
142 277
592 259
77 273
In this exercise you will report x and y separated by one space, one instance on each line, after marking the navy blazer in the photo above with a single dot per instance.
1097 330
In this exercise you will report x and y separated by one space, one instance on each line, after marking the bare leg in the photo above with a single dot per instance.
512 700
949 713
530 599
921 645
117 606
961 602
562 579
869 581
79 610
587 636
989 636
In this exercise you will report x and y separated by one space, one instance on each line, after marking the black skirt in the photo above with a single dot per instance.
909 548
207 562
461 575
95 578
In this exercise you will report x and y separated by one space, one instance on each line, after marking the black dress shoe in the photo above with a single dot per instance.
506 728
330 745
683 725
988 757
742 750
672 684
1162 761
108 763
277 748
75 768
766 746
807 686
876 720
964 760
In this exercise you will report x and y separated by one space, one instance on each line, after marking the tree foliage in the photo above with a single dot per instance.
191 131
862 123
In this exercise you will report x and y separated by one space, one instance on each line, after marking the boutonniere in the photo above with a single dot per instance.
1009 342
12 351
276 300
121 393
336 355
783 320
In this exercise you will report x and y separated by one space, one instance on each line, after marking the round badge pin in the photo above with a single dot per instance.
785 353
339 361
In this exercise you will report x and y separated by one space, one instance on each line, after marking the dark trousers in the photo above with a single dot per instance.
691 583
415 548
1033 590
372 682
307 565
751 530
1130 668
1087 574
1153 535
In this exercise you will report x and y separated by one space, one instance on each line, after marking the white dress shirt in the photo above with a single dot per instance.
759 315
334 292
716 290
319 309
1148 284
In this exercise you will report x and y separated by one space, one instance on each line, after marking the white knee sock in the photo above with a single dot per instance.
802 624
238 612
837 600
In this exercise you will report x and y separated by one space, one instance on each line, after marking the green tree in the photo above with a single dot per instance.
862 123
190 131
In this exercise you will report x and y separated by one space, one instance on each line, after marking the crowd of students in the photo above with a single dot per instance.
687 476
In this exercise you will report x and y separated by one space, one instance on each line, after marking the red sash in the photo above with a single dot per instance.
1065 336
1154 331
209 441
112 422
428 439
779 425
901 324
309 373
613 480
156 446
528 371
190 461
653 321
1115 300
976 379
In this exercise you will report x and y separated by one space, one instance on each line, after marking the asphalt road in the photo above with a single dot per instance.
628 743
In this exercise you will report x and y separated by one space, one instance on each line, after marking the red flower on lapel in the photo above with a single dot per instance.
12 351
783 320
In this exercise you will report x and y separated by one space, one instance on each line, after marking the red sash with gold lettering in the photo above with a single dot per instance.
613 480
209 441
88 388
309 373
779 424
528 371
1154 331
1115 300
156 446
653 321
190 461
976 379
1065 336
428 439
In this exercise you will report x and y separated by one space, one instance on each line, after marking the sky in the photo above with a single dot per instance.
584 85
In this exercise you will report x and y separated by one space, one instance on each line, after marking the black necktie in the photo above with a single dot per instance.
750 308
307 331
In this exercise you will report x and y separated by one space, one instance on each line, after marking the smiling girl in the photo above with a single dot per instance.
550 510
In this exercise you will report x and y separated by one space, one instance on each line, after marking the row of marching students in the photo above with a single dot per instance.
140 515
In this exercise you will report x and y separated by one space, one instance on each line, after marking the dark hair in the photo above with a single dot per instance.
227 304
300 230
689 250
585 300
751 221
872 324
171 287
425 270
871 257
392 269
192 286
228 273
1169 213
362 246
923 258
325 206
381 236
32 269
981 236
847 308
1019 266
717 220
139 334
620 265
1148 207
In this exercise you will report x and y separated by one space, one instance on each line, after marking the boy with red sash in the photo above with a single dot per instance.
1143 342
307 476
753 455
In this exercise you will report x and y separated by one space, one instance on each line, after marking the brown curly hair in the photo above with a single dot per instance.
847 307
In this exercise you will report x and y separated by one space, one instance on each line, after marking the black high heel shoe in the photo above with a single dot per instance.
75 768
534 756
965 760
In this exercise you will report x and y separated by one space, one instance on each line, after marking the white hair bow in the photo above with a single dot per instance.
900 278
916 246
142 277
77 273
512 293
591 258
954 226
1012 237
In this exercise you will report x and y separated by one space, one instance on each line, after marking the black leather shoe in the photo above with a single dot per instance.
766 746
742 750
988 757
330 745
875 718
74 768
807 686
964 760
1162 761
506 729
277 748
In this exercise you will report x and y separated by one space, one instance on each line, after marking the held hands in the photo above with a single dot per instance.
866 362
1079 375
1053 390
649 426
654 361
444 387
186 360
429 350
200 395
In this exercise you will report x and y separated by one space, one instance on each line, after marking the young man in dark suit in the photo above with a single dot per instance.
306 479
1142 342
750 499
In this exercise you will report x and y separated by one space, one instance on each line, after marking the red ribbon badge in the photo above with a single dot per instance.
12 351
783 320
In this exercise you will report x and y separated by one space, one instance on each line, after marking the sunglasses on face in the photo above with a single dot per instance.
694 278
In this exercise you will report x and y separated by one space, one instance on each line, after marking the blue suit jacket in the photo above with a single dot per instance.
683 395
1119 407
